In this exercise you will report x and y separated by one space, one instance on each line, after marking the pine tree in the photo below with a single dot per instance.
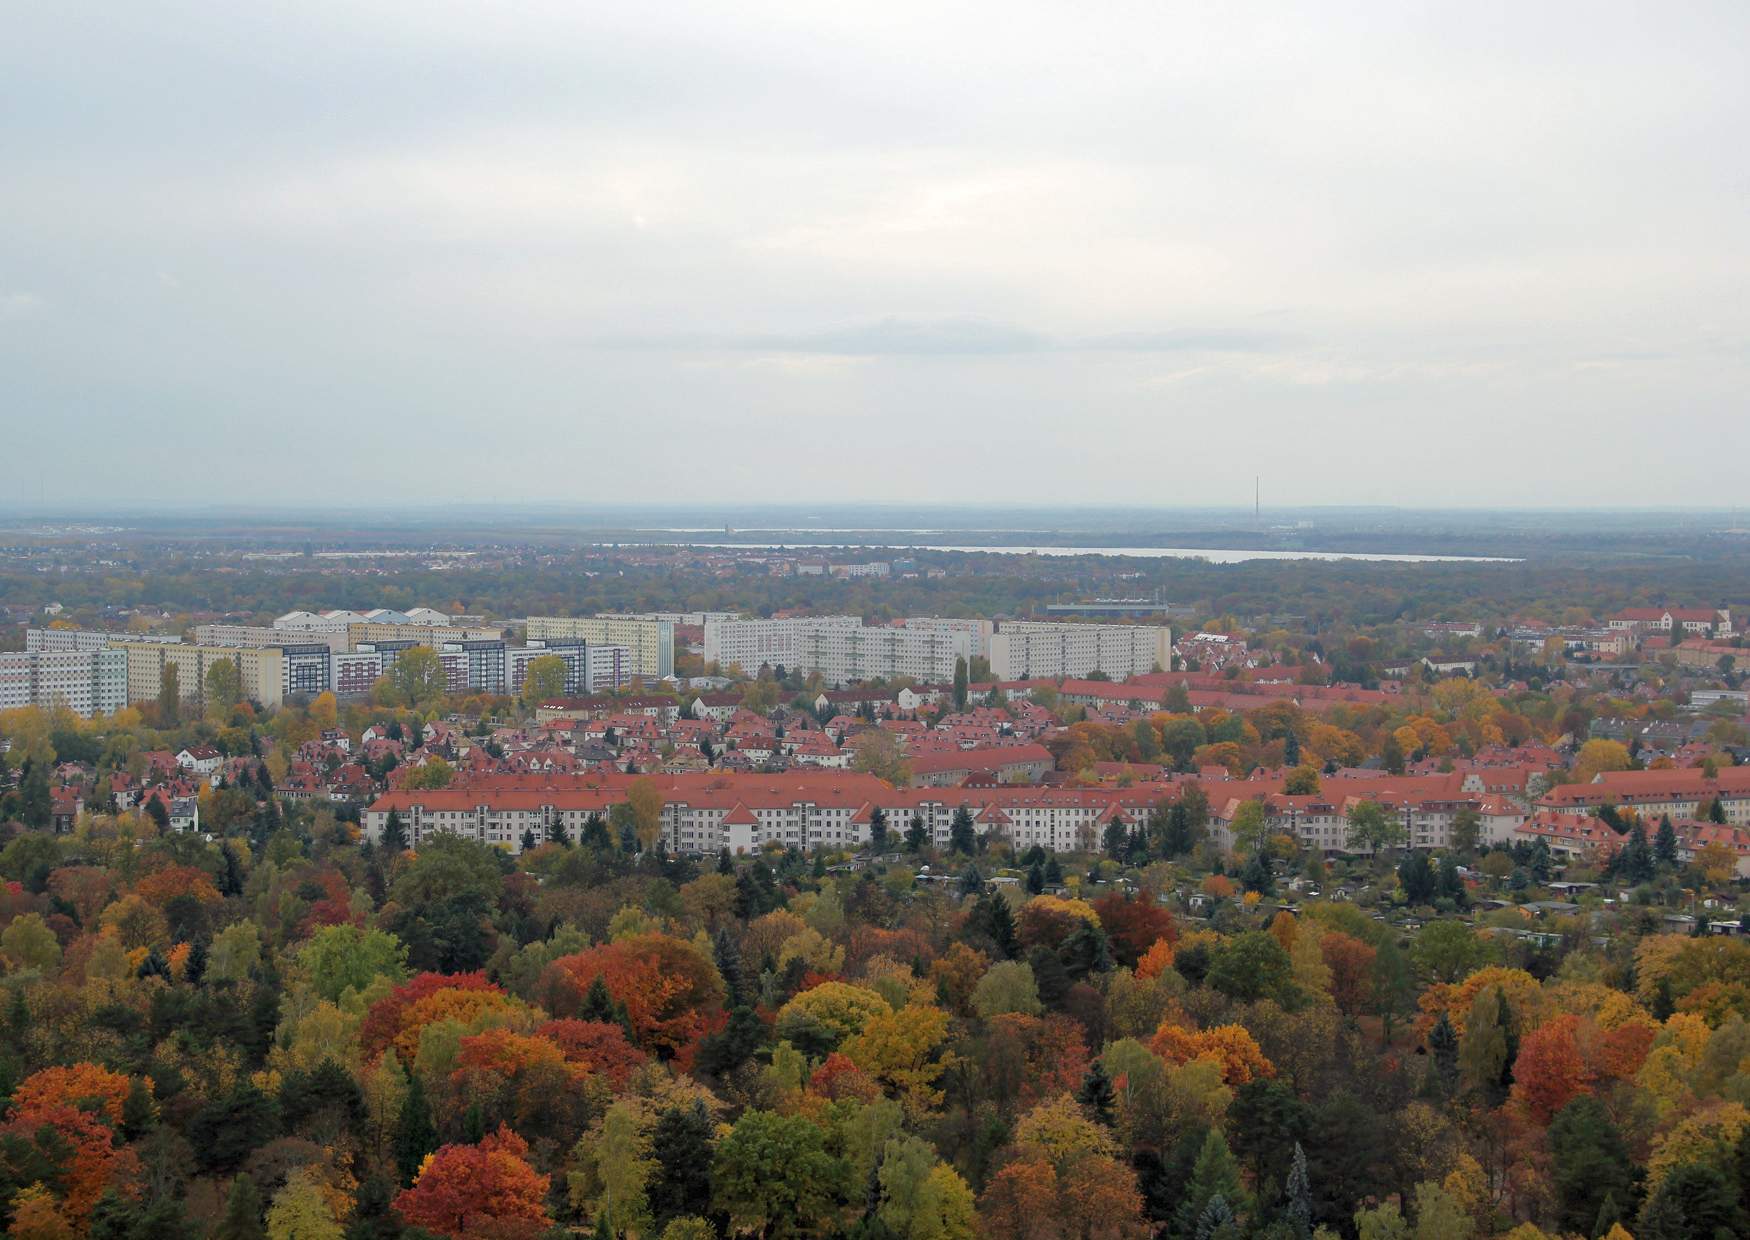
878 830
600 1005
372 1216
231 877
917 836
1097 1095
139 1112
971 881
729 967
394 834
415 1137
1443 1050
1665 842
1035 879
1291 750
680 1146
1214 1174
1216 1221
999 924
242 1218
962 838
1636 862
1664 1004
740 1039
1298 1211
1116 839
1086 951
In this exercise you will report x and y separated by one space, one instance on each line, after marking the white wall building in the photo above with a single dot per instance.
88 682
261 637
88 639
979 630
753 644
841 648
649 643
845 655
1029 649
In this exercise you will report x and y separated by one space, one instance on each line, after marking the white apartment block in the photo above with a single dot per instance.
1031 649
804 810
842 648
262 637
589 667
87 682
844 655
433 635
979 630
753 644
695 618
649 643
87 639
261 671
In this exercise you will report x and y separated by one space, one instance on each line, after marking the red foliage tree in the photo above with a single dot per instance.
1550 1071
671 993
1027 1059
1134 924
479 1190
595 1045
402 1010
838 1079
1351 964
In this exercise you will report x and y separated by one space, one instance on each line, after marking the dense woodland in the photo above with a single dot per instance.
288 1032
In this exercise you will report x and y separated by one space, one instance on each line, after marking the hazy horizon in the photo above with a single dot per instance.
404 255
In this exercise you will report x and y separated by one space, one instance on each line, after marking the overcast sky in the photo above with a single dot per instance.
1457 253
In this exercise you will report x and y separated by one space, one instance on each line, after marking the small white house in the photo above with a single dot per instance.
201 759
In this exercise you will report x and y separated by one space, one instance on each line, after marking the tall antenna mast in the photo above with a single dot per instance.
1257 500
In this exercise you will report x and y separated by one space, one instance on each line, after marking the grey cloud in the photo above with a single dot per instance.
1058 242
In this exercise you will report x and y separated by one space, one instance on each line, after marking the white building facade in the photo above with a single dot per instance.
1030 649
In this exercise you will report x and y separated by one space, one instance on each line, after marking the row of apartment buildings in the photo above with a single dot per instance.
99 673
705 812
843 650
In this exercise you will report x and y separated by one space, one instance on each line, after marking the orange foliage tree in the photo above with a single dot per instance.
485 1190
85 1086
671 993
1092 1195
1230 1045
163 886
81 1148
1156 960
397 1019
1550 1071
